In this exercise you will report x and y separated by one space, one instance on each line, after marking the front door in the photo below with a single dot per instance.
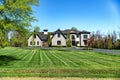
73 43
85 42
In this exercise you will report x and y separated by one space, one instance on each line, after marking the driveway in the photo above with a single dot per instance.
108 51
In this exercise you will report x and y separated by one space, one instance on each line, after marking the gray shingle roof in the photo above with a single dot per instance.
42 36
66 31
58 31
85 32
70 31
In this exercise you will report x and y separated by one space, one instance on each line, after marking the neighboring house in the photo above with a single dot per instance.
59 38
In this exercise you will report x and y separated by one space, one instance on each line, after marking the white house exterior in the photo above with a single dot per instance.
59 38
34 41
84 38
56 39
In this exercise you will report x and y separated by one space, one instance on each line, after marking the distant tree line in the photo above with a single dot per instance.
108 41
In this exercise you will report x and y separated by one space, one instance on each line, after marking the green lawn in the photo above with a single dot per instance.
57 63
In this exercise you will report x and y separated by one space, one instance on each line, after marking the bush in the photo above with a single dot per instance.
3 44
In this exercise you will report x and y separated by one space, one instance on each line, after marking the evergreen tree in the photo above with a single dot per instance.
68 40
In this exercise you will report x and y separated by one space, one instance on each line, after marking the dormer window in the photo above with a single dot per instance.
58 34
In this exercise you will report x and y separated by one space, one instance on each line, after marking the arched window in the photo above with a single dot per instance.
58 42
30 42
73 37
37 42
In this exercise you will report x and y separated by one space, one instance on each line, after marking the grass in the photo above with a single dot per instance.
70 78
18 62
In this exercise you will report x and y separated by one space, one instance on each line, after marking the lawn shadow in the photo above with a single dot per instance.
4 59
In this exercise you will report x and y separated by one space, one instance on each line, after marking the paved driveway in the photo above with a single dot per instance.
113 52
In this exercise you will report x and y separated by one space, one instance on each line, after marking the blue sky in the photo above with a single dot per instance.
90 15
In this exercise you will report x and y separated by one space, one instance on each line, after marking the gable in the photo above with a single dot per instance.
56 37
36 39
58 32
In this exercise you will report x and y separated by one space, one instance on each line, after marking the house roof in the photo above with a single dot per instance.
85 32
70 31
42 36
74 31
58 31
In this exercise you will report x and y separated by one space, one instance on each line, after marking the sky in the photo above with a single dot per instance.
90 15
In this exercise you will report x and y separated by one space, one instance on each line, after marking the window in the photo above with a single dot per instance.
73 43
31 43
58 42
58 34
73 37
85 36
37 42
77 36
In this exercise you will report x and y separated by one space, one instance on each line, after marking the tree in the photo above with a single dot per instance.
68 40
105 42
73 28
98 39
92 38
37 29
114 38
19 39
117 44
108 41
34 33
15 16
49 39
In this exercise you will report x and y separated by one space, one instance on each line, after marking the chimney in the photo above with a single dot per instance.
45 31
